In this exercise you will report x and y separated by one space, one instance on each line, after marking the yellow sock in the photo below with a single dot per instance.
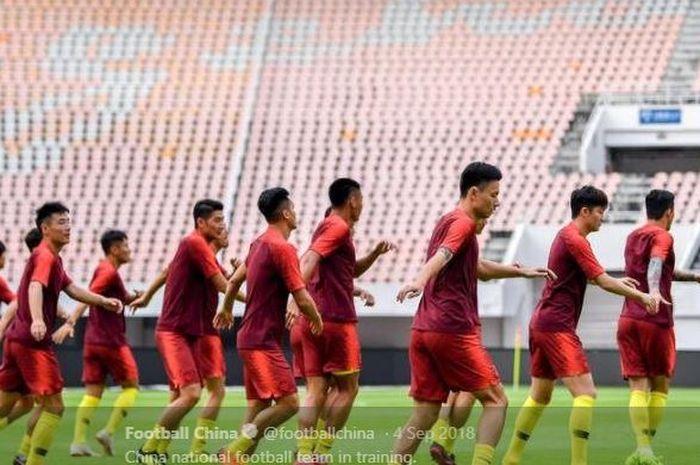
24 445
307 442
325 442
320 426
244 440
83 416
657 407
580 424
442 434
483 454
204 425
525 423
122 404
43 435
152 442
163 445
639 417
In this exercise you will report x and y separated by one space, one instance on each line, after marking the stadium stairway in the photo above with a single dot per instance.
685 59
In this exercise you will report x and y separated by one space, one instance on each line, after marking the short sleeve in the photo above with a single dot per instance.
65 279
661 245
458 233
6 294
102 280
581 250
288 266
203 257
43 264
331 236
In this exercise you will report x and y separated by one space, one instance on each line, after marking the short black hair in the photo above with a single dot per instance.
658 202
587 196
205 208
110 237
2 248
271 202
341 189
48 209
476 174
33 238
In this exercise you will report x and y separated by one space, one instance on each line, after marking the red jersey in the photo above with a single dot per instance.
273 273
572 260
332 285
6 294
449 303
187 287
45 267
643 244
212 306
104 327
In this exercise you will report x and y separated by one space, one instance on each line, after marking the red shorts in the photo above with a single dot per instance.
555 355
266 374
28 370
336 351
212 363
180 357
100 361
442 362
646 350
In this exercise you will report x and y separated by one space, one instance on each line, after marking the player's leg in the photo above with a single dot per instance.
25 444
83 417
583 391
346 389
309 414
210 412
660 386
442 434
122 404
22 407
12 385
493 417
425 414
7 404
528 417
46 427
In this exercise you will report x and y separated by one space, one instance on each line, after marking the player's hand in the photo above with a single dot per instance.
366 297
383 247
629 282
62 314
65 331
545 273
651 304
38 329
223 320
660 299
316 324
410 291
113 305
292 315
235 263
141 301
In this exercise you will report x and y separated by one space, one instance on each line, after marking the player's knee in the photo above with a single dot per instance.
190 395
217 392
291 404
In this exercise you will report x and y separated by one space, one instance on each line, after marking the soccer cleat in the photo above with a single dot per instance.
146 458
226 457
639 459
20 460
82 450
440 455
106 441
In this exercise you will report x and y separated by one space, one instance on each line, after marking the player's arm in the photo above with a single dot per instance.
686 276
7 318
622 288
307 307
367 261
224 317
430 269
36 303
363 295
67 329
90 298
487 270
144 299
308 264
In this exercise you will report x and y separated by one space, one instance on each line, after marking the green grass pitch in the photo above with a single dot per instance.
380 412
